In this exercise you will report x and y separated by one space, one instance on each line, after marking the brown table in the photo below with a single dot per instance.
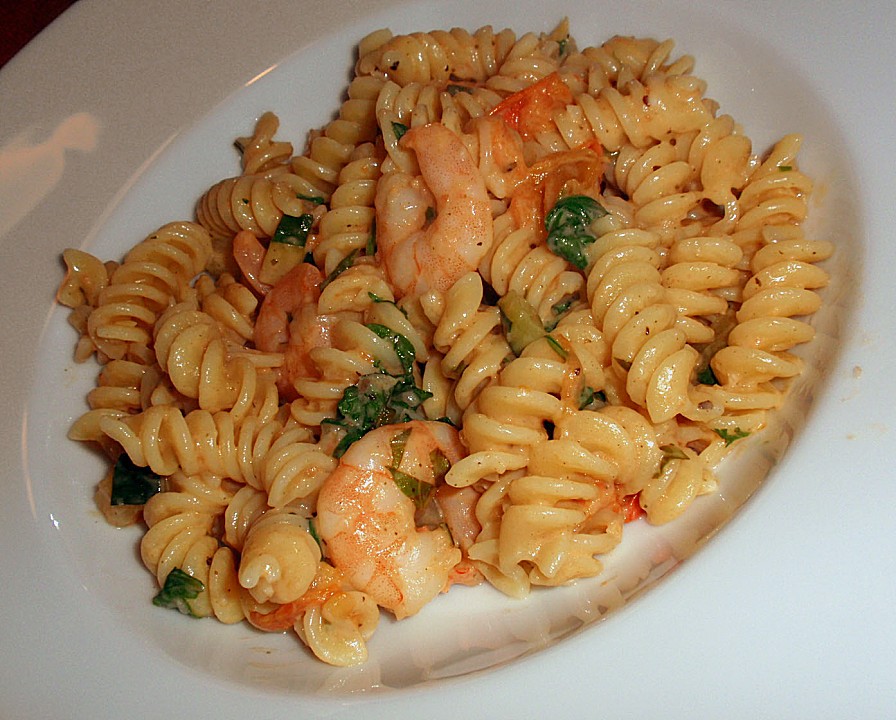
21 20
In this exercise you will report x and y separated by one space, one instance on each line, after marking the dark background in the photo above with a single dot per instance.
21 20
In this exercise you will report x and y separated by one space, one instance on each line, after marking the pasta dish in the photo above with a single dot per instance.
515 295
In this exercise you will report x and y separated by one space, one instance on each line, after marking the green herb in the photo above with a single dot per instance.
313 199
132 484
376 298
785 168
440 465
293 230
561 46
415 489
399 129
524 325
590 397
398 443
378 399
706 376
343 265
312 531
430 215
671 452
556 347
178 590
404 348
561 307
370 250
568 227
730 437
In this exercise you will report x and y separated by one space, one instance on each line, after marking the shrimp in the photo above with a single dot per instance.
418 255
570 172
274 617
458 508
366 514
248 253
531 110
288 321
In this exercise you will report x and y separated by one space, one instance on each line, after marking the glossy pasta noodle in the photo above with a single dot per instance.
514 296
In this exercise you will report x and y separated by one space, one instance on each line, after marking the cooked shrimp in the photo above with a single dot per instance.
248 252
571 172
531 110
419 255
288 322
458 508
272 617
366 514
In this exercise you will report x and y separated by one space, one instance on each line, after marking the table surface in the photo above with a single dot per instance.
24 19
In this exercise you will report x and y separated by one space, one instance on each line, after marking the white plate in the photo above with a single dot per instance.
119 115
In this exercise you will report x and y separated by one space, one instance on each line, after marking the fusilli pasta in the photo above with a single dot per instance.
515 295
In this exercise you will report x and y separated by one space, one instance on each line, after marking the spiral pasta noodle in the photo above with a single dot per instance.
472 353
457 54
516 294
260 152
520 262
157 271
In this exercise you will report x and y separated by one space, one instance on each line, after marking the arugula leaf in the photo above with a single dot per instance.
292 230
730 437
178 590
404 349
132 484
568 227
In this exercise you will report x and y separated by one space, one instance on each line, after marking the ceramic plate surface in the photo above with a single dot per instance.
117 117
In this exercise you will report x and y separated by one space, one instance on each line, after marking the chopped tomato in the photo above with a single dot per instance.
286 615
631 507
531 110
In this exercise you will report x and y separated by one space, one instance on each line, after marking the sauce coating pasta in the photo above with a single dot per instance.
513 296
